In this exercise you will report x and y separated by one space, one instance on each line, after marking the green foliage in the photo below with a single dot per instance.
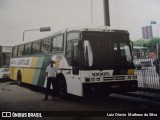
151 44
140 42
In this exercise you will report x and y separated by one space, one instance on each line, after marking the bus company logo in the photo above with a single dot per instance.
21 62
101 74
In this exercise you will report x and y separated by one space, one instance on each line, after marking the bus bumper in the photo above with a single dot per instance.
110 87
4 76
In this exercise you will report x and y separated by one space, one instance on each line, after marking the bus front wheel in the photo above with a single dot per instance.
62 88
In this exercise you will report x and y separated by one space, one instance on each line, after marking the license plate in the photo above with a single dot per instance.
115 86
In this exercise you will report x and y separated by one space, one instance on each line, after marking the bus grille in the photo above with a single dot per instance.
6 70
114 78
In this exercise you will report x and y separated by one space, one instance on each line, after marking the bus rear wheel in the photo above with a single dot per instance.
62 88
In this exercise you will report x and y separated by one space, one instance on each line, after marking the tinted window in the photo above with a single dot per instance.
14 51
71 38
57 44
20 50
68 51
28 48
46 45
36 47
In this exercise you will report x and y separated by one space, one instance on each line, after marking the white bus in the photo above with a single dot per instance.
5 54
89 60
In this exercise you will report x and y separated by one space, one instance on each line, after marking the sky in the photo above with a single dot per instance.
19 15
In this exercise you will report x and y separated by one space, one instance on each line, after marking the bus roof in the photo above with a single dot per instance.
81 29
100 28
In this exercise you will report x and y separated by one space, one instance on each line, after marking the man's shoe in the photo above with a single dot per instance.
45 99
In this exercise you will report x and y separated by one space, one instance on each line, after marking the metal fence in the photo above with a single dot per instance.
147 76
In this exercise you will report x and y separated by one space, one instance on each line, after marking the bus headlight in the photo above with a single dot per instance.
134 77
92 79
87 79
129 77
97 79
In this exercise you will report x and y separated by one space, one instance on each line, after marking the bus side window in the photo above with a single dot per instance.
75 54
72 53
14 52
72 42
28 48
68 51
21 50
57 43
75 57
36 47
46 45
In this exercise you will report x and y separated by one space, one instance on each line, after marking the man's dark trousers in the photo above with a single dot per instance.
51 80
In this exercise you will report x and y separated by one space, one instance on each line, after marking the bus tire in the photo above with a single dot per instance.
19 78
61 86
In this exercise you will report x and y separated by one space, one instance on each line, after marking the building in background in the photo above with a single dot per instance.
147 32
154 28
150 31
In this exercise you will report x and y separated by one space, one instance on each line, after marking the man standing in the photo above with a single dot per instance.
51 79
156 62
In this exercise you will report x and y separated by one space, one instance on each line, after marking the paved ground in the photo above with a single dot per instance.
28 98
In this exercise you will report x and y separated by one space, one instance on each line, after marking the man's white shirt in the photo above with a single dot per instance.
51 71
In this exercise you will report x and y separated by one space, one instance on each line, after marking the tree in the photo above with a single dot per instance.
151 44
140 42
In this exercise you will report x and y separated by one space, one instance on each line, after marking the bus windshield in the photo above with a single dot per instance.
106 51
